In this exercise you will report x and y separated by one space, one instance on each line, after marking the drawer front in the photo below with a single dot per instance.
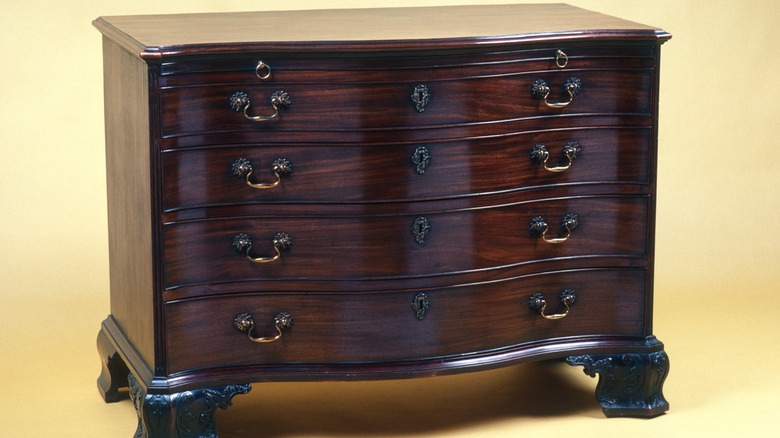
370 66
395 104
383 327
397 172
367 247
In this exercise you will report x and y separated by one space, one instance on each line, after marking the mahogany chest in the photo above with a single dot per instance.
374 194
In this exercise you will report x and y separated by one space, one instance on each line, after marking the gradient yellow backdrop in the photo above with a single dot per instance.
717 274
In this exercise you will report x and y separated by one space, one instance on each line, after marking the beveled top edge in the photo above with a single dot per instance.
153 36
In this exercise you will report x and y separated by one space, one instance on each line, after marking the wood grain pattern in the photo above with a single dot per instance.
383 246
368 66
128 180
154 36
353 107
266 136
361 172
382 327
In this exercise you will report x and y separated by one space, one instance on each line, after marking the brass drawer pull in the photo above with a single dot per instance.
539 227
245 323
263 70
538 304
239 101
561 59
541 91
243 241
571 151
242 169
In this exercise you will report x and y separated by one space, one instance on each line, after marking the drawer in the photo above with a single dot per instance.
269 67
384 327
366 247
394 104
400 172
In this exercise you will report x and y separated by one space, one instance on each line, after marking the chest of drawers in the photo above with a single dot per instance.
373 194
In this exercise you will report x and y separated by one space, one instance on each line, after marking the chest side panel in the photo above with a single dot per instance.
128 176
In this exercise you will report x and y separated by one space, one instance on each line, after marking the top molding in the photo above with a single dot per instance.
159 36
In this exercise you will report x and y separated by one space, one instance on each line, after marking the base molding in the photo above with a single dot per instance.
632 371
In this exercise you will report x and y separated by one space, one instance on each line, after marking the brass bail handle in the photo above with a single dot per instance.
239 101
571 151
242 169
538 304
244 323
539 228
243 242
541 91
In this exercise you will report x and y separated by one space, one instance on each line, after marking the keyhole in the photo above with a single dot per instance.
421 164
421 159
420 229
421 305
420 96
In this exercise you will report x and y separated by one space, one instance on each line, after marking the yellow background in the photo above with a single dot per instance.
717 273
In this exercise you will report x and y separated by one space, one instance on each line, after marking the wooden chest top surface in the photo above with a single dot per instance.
388 28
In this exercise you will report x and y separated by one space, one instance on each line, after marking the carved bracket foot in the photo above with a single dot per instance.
114 373
187 414
630 385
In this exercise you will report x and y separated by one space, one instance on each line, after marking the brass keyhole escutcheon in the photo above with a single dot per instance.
421 158
420 96
421 228
421 304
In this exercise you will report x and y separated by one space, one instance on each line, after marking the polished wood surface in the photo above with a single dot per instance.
340 29
395 135
365 172
371 66
365 247
345 107
130 213
383 327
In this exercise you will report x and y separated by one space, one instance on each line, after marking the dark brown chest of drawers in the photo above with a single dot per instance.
371 194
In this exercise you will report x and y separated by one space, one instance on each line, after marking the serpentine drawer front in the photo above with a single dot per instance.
332 328
212 251
346 172
327 106
427 191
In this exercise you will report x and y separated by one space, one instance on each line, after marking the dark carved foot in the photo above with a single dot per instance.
630 385
114 373
188 414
